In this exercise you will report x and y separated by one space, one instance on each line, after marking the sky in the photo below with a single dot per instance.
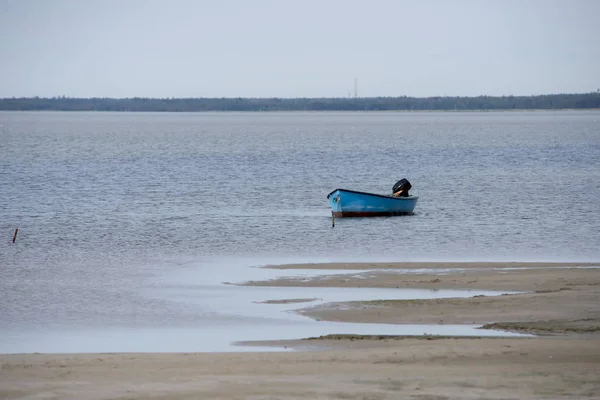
298 48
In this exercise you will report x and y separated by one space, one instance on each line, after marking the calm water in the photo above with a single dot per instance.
110 206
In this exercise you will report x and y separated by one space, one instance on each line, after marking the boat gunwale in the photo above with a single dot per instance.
375 194
367 214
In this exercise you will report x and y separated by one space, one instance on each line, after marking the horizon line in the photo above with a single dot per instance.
299 98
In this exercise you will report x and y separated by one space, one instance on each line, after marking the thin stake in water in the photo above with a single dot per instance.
15 235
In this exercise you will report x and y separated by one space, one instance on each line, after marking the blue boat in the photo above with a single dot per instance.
350 203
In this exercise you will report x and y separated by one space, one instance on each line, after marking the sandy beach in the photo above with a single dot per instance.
560 297
559 303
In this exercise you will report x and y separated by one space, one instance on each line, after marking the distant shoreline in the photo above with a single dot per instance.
516 110
577 101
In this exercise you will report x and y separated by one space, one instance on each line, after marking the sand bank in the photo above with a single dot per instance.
564 302
430 265
556 298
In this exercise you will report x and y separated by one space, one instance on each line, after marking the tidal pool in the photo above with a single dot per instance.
192 310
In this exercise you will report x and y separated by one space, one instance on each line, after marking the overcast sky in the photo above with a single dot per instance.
297 48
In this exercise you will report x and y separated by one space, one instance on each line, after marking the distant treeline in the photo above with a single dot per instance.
541 102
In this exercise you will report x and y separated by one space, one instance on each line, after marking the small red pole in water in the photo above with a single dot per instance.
15 235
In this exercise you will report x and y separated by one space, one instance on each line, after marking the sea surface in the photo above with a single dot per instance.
121 214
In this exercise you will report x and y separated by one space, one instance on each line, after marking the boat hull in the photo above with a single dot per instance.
350 203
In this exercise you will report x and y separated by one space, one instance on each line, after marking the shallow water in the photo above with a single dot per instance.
209 316
113 208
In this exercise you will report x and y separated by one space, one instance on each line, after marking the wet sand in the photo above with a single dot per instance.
555 299
287 301
563 303
430 265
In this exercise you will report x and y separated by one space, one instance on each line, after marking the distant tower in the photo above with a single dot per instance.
355 88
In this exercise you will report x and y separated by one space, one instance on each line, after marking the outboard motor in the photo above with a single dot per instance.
401 188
